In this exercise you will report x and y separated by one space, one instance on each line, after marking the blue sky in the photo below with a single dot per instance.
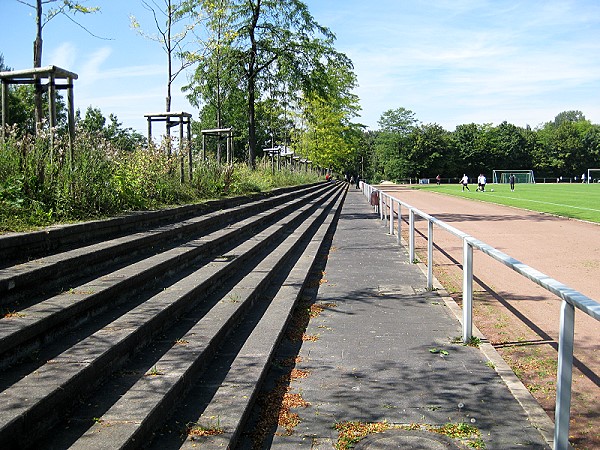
449 61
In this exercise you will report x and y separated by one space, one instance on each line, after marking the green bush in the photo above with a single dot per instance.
39 186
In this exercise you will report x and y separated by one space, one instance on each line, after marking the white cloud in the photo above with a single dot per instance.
63 56
91 69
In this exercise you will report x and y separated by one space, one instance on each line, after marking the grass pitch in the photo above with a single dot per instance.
575 200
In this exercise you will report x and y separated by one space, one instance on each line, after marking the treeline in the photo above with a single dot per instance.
403 148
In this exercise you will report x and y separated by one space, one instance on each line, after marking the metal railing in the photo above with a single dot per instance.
387 206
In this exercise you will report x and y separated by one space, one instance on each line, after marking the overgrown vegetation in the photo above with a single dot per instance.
38 186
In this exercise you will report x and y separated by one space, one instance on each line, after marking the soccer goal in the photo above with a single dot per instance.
521 176
593 175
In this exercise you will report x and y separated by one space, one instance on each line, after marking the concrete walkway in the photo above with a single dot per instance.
373 360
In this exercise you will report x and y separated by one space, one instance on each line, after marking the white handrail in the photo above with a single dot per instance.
571 298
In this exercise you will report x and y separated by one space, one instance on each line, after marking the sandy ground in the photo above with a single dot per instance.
564 249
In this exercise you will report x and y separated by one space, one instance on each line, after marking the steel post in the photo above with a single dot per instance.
467 291
391 216
564 376
429 255
399 234
411 236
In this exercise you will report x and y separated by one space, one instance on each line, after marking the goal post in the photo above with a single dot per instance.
593 174
521 176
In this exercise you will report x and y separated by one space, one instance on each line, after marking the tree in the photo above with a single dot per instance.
473 148
566 146
95 124
392 144
172 13
330 139
510 149
568 116
215 81
432 152
400 121
271 37
66 8
216 74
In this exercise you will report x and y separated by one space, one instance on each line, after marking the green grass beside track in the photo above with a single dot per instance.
575 200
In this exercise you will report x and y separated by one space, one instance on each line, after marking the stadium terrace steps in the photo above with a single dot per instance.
59 266
15 247
112 328
31 324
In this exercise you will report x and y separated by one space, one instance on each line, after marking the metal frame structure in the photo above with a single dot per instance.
498 175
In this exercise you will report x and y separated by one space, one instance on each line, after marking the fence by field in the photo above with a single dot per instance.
390 209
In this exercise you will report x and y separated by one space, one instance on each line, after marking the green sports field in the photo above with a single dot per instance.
576 200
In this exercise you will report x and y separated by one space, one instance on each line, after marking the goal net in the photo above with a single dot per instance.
593 176
521 176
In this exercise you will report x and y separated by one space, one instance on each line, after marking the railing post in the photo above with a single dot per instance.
385 213
564 376
391 216
467 291
399 235
380 205
411 235
429 255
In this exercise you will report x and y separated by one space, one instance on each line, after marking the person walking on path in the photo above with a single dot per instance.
465 182
511 179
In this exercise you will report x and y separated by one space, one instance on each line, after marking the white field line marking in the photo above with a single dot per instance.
550 203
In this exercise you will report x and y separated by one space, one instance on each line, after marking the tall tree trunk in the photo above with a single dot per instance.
169 51
251 123
37 62
252 86
219 106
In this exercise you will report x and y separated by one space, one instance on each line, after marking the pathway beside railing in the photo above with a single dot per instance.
390 209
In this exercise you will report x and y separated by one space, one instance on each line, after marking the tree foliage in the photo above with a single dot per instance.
566 146
247 44
329 137
393 143
95 124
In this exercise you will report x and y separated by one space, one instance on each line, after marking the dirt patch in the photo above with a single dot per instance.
518 317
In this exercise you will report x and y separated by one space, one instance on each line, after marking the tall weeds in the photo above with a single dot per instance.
38 187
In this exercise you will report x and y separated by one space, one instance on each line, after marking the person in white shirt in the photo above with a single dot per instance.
481 181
